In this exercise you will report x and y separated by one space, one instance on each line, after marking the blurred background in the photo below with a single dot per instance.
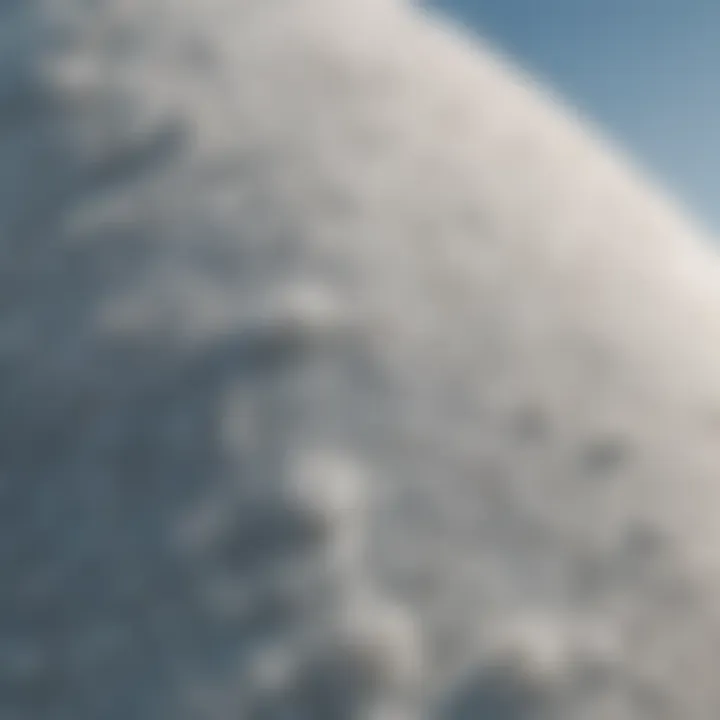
646 71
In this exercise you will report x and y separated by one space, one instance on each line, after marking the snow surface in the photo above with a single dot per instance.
343 375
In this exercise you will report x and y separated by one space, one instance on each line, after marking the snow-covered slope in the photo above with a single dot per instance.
342 375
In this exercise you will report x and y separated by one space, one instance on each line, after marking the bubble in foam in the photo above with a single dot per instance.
535 650
304 310
327 487
383 641
359 666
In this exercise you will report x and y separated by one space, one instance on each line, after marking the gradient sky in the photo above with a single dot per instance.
647 71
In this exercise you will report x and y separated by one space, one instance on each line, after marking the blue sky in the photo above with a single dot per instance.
648 71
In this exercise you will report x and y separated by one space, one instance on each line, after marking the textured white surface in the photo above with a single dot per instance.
253 249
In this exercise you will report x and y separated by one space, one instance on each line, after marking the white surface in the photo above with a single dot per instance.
242 240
